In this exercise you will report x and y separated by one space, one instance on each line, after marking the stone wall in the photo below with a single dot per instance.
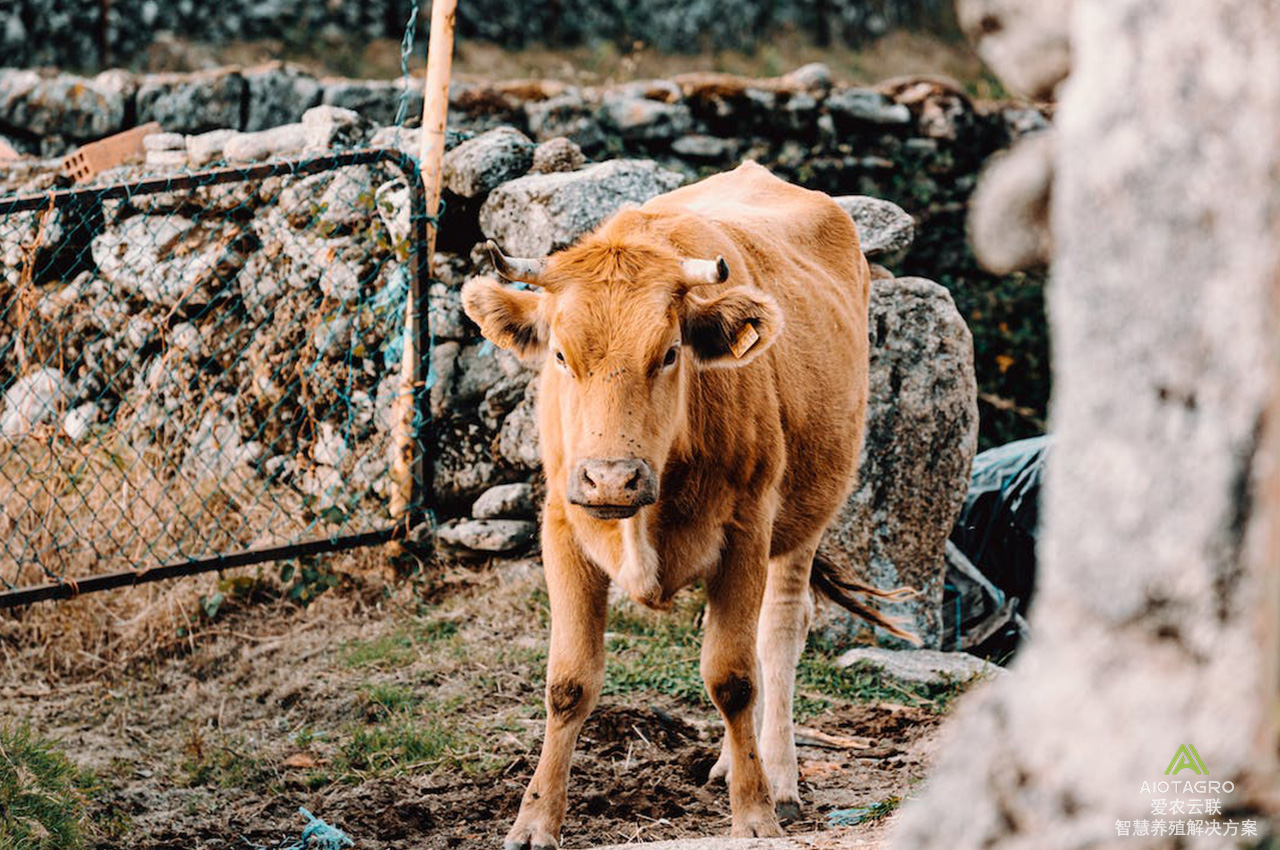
916 142
48 32
303 277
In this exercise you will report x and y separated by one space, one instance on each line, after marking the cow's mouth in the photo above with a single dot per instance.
607 512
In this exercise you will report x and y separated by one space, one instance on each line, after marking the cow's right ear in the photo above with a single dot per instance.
509 318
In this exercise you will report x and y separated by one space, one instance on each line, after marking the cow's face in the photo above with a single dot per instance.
623 326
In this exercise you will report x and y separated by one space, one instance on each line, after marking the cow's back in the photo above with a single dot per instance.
801 248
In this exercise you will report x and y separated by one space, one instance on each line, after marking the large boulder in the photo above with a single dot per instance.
41 103
922 432
885 230
540 213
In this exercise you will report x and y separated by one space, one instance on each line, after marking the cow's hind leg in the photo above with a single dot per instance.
575 673
729 668
785 616
784 625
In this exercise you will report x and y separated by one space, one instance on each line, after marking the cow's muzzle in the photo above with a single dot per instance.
612 489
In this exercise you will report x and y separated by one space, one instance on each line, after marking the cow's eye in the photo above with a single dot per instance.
670 359
560 361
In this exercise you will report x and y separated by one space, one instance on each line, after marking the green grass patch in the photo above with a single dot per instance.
398 648
657 653
42 795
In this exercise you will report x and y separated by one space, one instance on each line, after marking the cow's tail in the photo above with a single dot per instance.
843 590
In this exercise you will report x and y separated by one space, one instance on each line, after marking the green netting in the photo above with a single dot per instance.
201 364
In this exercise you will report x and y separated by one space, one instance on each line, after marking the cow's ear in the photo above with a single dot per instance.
510 318
732 328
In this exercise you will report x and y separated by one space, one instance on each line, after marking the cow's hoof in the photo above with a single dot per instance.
529 838
764 826
788 811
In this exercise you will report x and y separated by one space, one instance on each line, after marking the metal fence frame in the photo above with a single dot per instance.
419 285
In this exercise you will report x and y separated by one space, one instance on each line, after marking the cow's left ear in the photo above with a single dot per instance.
509 318
732 328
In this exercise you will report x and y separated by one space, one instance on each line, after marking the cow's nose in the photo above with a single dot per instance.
620 483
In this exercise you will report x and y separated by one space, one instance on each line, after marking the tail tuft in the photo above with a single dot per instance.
828 581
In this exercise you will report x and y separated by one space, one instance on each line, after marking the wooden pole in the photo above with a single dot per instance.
435 109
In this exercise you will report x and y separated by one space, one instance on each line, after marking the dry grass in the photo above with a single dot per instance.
71 510
895 54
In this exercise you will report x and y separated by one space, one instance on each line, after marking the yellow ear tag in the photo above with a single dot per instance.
747 337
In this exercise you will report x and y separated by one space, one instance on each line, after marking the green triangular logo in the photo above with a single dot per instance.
1186 757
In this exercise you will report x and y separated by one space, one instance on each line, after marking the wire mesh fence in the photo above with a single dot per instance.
198 370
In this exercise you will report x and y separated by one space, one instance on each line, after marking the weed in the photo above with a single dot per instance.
41 794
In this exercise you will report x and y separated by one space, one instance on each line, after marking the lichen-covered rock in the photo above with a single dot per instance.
278 94
922 432
517 442
540 213
479 165
506 501
922 666
46 103
192 103
885 231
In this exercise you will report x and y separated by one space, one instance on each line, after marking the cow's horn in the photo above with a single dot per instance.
697 272
514 268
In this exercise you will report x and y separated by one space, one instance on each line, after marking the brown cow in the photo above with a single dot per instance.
686 435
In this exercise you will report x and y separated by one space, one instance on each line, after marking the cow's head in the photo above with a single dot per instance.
623 324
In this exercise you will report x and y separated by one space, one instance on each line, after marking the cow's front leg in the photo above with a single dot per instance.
575 672
729 669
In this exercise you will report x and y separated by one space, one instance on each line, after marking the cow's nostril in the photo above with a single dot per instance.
586 478
633 483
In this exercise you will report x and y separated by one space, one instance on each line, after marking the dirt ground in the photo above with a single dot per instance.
411 717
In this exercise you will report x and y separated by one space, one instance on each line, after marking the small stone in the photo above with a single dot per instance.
489 535
332 338
207 147
506 501
330 449
164 142
185 337
33 399
565 115
327 114
77 422
166 159
814 77
703 147
558 154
